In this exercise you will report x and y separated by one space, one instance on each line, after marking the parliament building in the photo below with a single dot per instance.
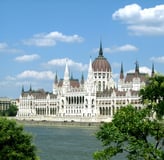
94 99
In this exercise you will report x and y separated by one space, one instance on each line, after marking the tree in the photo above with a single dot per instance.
152 95
12 110
133 134
15 144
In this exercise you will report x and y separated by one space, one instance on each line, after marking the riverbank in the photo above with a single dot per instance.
59 123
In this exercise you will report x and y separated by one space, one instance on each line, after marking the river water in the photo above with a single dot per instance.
64 143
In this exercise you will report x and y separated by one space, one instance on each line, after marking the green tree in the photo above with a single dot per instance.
15 144
12 110
132 134
152 95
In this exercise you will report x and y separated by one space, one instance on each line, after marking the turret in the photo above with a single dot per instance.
121 72
66 80
90 71
82 79
137 69
152 72
22 89
30 90
100 50
56 79
90 79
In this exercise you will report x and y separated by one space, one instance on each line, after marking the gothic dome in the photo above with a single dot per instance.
101 63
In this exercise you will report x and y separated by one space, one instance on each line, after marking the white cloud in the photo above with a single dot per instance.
123 48
157 59
3 45
50 39
142 69
148 21
26 58
43 75
62 62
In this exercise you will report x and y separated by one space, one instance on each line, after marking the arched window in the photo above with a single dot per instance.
99 86
103 85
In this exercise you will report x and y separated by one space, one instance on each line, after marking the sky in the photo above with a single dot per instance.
37 37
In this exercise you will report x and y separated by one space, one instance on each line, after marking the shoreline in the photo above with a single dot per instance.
59 123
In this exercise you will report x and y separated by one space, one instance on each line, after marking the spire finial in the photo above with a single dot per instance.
22 88
122 72
30 88
82 79
152 72
100 50
137 67
56 78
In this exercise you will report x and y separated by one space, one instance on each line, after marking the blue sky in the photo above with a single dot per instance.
37 36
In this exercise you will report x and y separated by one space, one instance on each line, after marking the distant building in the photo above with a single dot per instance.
5 103
95 99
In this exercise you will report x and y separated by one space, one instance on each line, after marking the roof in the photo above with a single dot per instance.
130 76
74 83
38 94
101 63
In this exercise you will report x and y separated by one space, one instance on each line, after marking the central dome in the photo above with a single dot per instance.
101 63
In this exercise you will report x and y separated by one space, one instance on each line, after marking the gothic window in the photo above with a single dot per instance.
103 85
77 100
99 86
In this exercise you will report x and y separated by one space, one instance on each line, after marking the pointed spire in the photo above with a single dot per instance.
100 50
30 88
82 79
56 78
22 88
66 73
71 75
137 68
152 72
122 72
90 70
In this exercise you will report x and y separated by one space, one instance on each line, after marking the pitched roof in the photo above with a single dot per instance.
130 76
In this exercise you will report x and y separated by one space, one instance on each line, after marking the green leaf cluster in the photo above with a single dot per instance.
11 111
136 133
152 95
133 134
15 144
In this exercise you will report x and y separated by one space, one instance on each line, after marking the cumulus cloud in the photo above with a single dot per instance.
43 75
147 21
123 48
4 47
62 62
27 58
50 39
157 59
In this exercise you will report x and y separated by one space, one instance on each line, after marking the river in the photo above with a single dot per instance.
64 143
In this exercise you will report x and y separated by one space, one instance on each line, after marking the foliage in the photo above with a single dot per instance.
153 95
11 111
133 134
15 144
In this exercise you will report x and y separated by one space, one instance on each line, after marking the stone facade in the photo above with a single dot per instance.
95 99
